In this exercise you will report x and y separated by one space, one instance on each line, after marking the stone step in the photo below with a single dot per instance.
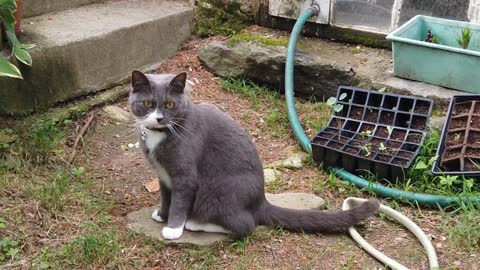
38 7
90 48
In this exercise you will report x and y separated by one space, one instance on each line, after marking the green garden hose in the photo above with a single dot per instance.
380 190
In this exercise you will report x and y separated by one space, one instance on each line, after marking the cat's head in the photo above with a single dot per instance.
158 100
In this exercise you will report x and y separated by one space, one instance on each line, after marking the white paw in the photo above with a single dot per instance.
172 233
156 216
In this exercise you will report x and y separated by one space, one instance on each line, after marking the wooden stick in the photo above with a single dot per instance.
80 135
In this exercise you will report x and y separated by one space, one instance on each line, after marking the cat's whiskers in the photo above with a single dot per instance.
175 133
177 123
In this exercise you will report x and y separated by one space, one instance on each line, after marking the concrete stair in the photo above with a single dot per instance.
39 7
88 48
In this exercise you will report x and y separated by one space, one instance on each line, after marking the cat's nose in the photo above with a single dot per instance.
159 119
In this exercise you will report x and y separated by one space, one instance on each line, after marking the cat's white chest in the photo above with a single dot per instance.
152 139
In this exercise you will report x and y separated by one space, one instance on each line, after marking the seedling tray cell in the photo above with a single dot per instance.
375 132
459 149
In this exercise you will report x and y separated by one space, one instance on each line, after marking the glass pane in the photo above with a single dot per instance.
371 14
450 9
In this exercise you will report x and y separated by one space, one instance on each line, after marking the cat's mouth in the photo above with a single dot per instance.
157 129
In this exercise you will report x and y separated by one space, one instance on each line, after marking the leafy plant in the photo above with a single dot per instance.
19 50
333 102
367 149
389 130
456 137
8 249
382 147
366 133
464 39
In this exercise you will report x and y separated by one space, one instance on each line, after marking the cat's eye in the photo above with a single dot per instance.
148 104
170 105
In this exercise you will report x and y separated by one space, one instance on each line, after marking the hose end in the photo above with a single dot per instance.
315 8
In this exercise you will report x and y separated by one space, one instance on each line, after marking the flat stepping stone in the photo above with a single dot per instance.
141 222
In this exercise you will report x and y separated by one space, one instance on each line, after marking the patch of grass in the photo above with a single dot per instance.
216 17
33 141
245 37
314 115
463 229
96 245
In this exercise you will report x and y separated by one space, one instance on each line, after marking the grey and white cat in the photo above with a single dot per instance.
210 172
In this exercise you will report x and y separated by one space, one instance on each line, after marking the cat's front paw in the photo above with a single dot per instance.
157 216
172 233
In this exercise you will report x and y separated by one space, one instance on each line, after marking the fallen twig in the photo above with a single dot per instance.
80 136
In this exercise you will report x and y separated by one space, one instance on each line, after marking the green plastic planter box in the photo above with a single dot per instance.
444 63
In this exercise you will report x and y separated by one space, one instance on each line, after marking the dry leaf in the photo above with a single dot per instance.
153 186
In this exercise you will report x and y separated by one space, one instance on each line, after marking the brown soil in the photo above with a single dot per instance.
336 123
455 138
326 135
475 122
419 122
472 165
472 152
405 155
450 153
381 132
421 107
386 118
320 141
461 108
376 143
335 145
351 150
356 113
456 123
361 137
406 105
400 162
414 138
476 110
398 134
393 144
371 115
383 158
366 128
473 138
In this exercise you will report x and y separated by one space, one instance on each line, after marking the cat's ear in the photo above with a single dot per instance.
139 82
178 83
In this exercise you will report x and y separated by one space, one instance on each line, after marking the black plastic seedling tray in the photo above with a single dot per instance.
375 132
459 149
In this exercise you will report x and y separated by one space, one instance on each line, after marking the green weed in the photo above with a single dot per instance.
96 245
244 37
8 249
463 228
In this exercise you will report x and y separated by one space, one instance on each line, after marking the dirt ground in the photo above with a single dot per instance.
121 171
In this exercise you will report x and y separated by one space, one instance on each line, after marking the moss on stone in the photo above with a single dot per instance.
217 17
244 37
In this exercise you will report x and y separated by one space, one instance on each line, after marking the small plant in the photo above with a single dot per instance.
456 137
366 133
333 102
382 147
464 39
389 131
8 249
19 50
367 149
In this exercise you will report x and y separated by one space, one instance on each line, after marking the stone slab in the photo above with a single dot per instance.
141 222
298 201
320 68
38 7
83 50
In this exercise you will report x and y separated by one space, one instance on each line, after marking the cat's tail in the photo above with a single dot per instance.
315 221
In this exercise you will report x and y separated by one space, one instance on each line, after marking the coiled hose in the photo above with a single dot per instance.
304 141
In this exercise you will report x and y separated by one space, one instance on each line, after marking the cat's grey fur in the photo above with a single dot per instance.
214 173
